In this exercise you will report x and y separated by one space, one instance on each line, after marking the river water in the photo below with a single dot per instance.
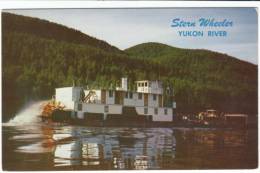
29 144
65 147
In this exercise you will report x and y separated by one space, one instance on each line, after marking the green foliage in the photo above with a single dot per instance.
36 60
204 79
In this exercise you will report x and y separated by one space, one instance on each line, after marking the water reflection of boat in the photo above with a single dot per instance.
104 148
118 163
141 148
141 162
115 153
67 154
234 138
215 138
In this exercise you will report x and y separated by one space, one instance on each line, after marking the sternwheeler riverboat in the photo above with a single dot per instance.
148 104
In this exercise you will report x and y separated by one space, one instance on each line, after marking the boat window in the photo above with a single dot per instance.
130 95
126 94
142 84
154 96
110 93
155 111
79 107
165 111
145 110
140 95
146 84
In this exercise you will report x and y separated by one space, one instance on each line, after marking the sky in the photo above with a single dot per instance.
125 28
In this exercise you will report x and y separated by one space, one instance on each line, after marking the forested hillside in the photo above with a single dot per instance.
50 30
202 77
39 56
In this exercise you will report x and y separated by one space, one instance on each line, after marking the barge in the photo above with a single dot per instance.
147 104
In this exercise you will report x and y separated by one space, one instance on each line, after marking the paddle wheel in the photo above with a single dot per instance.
50 107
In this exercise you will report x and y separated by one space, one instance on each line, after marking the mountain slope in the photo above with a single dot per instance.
50 30
211 74
197 64
164 53
36 62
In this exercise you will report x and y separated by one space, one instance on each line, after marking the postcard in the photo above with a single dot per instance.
129 89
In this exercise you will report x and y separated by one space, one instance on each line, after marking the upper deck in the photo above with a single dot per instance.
152 87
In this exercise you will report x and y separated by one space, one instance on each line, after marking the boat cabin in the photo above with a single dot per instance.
147 100
154 87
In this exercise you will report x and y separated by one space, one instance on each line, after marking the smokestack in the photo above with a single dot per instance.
124 84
